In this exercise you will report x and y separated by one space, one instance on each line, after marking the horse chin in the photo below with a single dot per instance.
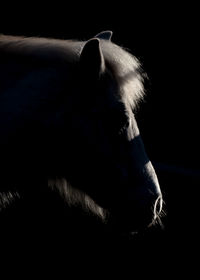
132 226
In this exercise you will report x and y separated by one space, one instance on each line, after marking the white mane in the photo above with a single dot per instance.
124 67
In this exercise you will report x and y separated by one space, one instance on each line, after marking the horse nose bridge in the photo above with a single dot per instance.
144 174
150 180
145 187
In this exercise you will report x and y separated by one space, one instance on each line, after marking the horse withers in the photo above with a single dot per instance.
67 124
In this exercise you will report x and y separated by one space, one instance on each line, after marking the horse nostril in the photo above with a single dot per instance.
158 207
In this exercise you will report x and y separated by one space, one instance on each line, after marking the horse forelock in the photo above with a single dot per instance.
127 72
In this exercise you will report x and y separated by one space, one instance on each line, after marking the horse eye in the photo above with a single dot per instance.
121 123
117 121
124 126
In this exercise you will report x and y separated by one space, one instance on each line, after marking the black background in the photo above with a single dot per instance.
164 38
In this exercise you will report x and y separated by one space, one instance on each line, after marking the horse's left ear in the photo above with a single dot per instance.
91 58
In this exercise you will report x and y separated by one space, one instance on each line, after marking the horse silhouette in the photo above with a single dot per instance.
67 124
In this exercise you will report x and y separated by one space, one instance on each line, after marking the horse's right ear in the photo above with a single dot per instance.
105 35
91 58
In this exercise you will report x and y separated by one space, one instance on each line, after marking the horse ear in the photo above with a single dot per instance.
105 35
91 58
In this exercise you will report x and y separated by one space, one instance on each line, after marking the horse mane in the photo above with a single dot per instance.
76 197
123 66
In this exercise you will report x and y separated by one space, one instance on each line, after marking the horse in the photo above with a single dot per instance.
67 125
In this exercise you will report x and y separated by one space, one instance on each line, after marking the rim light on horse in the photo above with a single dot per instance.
67 117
